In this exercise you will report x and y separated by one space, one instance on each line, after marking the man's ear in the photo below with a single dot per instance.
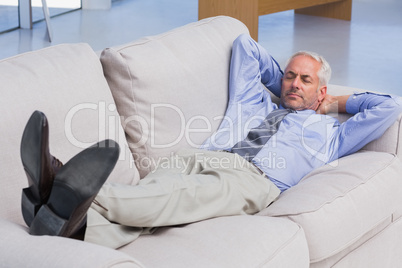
322 92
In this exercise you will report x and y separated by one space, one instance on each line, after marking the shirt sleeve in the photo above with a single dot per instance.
251 67
271 76
373 115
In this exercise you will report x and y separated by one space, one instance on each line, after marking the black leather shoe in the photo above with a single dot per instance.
39 165
75 186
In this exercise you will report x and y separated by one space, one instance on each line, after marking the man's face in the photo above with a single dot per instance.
301 88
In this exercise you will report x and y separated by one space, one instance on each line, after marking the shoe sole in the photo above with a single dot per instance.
75 186
31 151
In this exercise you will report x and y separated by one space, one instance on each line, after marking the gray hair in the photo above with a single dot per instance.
324 74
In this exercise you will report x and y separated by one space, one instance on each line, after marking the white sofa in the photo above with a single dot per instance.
170 91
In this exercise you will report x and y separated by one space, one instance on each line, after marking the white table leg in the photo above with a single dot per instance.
47 19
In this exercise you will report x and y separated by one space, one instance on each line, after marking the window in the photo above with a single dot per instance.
9 19
56 7
10 15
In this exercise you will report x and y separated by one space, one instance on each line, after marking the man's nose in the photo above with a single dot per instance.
296 83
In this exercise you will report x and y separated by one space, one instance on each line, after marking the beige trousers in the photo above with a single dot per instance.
193 185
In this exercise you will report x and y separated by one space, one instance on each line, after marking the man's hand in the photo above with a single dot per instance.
333 104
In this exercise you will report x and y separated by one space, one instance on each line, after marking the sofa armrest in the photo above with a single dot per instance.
19 249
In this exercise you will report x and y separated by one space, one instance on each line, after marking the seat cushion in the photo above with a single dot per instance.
20 249
172 89
237 241
345 202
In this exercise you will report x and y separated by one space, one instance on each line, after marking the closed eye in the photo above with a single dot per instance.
290 75
306 79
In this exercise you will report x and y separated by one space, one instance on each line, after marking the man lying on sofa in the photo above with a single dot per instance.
233 172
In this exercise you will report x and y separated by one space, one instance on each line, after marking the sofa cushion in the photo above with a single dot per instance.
65 82
340 203
171 89
237 241
383 250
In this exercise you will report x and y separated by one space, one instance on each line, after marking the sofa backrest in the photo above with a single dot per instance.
65 82
172 89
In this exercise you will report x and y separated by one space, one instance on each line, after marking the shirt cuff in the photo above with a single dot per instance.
355 101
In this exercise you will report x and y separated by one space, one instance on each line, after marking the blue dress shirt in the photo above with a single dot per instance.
305 140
